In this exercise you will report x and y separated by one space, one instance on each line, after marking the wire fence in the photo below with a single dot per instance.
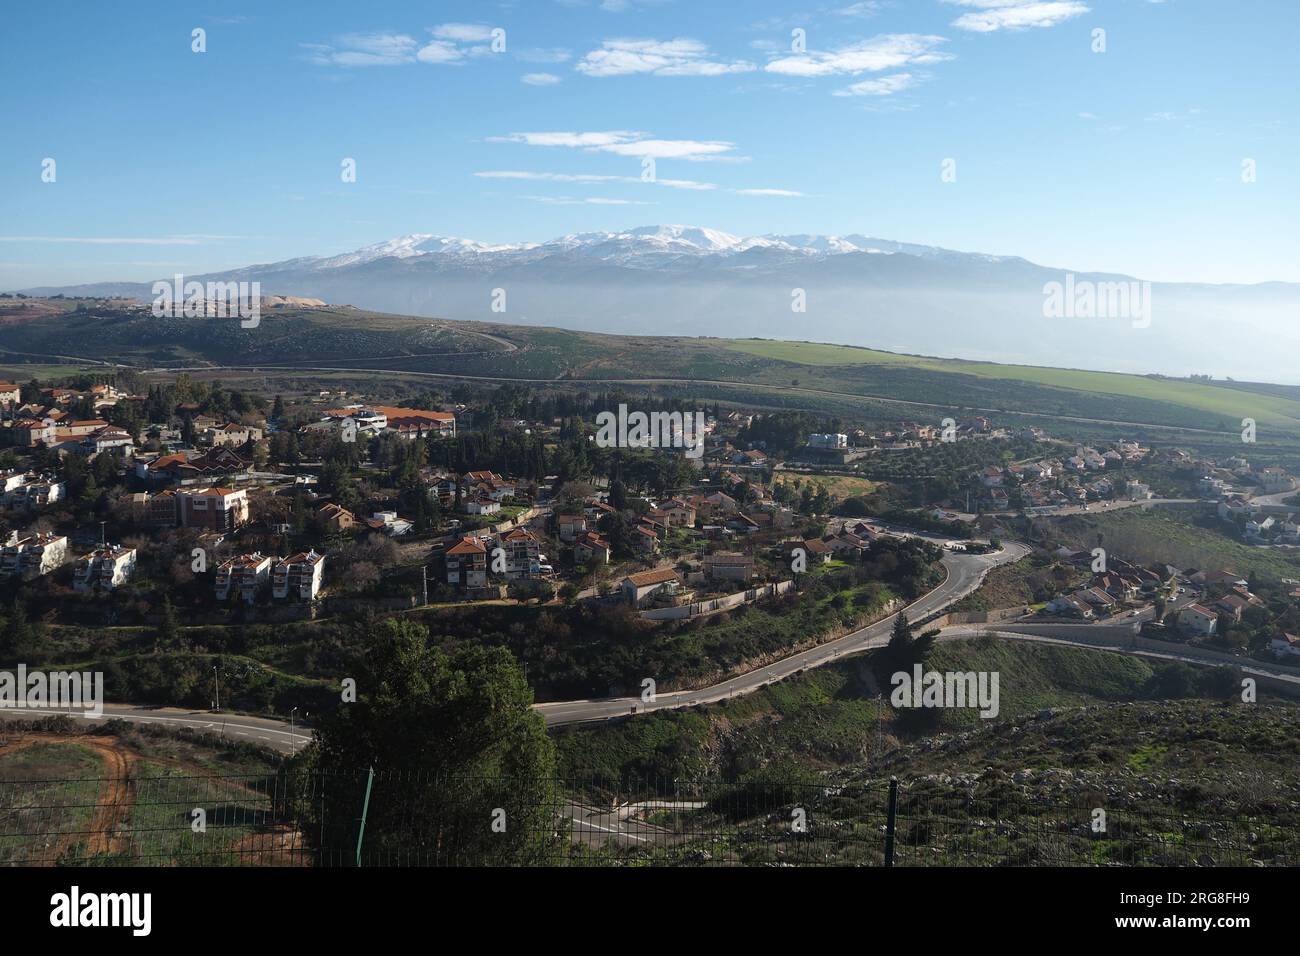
391 818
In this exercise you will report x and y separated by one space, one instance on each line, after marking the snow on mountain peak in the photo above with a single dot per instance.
642 246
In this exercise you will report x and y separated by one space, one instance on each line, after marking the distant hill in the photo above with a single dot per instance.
859 290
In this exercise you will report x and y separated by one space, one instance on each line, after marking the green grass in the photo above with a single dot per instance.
1204 397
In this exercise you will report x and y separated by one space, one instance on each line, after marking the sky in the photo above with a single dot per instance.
1165 146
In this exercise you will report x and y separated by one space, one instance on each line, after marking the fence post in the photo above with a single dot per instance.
891 821
365 808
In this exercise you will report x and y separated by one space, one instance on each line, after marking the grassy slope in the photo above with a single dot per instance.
366 340
830 716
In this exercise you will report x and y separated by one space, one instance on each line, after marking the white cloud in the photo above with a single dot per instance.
888 51
678 57
590 201
540 79
590 178
452 43
768 192
867 8
883 86
626 143
365 49
1016 14
463 32
440 52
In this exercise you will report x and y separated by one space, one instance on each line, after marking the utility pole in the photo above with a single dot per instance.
424 583
217 677
292 739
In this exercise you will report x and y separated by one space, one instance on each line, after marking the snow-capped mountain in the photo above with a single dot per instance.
850 289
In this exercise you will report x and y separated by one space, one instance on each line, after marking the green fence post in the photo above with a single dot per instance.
891 821
365 808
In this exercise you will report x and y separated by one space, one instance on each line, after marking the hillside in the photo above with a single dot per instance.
339 340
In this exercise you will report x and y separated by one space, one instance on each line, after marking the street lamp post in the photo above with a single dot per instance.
292 739
217 678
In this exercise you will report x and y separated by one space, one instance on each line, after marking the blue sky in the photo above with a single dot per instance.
1128 160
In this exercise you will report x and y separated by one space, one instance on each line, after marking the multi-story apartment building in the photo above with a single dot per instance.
34 493
213 509
467 563
32 555
523 552
299 576
243 575
103 569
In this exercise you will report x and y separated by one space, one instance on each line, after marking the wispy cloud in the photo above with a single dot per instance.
886 52
993 15
627 143
883 86
769 192
451 43
540 79
590 178
678 57
589 201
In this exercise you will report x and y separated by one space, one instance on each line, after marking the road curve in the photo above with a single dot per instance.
965 573
265 731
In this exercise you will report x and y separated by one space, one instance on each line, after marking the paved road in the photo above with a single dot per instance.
265 731
1187 655
965 573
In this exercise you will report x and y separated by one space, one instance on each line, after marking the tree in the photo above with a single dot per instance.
457 747
169 631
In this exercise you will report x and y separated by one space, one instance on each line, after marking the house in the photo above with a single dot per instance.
743 523
1232 605
299 576
481 506
679 512
33 555
1198 620
67 431
103 569
645 540
591 548
467 563
1071 605
640 589
231 433
389 523
334 519
213 509
1230 578
523 554
847 543
410 423
108 439
1137 491
569 527
29 432
721 501
1285 645
10 393
33 494
1275 480
729 566
244 576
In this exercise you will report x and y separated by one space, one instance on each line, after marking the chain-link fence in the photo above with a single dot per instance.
152 817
